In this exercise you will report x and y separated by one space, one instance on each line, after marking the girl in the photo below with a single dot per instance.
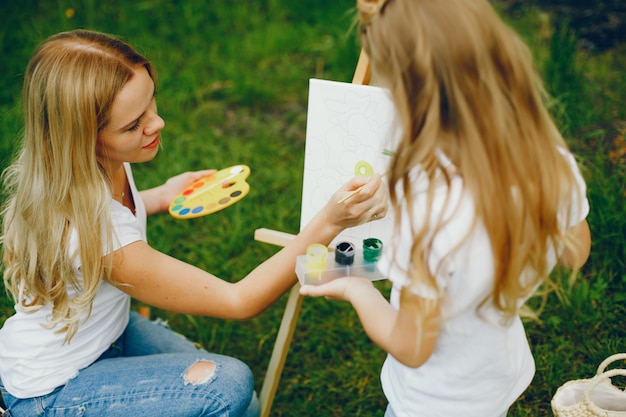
75 251
487 200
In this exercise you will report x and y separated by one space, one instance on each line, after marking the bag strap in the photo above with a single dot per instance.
594 383
609 360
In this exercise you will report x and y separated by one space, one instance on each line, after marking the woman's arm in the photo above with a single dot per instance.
164 282
408 334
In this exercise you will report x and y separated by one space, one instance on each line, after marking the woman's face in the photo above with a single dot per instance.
132 134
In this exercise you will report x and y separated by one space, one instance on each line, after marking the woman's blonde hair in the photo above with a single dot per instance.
464 84
56 184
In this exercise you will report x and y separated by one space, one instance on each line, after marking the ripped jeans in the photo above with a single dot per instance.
149 371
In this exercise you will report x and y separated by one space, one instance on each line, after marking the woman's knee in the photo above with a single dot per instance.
229 370
234 377
200 372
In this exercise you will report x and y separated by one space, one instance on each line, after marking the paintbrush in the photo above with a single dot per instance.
353 192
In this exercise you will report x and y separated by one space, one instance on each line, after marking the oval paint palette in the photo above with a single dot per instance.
212 193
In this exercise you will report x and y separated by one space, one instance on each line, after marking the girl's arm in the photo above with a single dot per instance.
408 334
165 282
158 199
576 256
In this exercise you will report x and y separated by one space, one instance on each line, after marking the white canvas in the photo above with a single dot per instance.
346 123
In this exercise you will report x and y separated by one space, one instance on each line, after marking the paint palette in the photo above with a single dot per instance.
212 193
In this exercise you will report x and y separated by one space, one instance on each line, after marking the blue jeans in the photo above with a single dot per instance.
149 371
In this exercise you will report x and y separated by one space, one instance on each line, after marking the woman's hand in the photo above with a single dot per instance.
158 199
174 185
360 200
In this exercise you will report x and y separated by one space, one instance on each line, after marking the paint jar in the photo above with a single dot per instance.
372 249
344 253
316 254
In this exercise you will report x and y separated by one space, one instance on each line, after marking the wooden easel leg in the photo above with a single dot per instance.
286 330
362 73
281 349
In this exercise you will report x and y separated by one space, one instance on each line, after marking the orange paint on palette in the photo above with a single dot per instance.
212 193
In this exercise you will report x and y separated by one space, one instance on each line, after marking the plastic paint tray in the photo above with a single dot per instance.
359 268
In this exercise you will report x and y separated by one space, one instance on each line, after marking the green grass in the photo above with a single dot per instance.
233 79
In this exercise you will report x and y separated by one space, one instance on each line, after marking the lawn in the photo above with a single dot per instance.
233 80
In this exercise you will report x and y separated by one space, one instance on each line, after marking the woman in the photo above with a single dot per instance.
75 251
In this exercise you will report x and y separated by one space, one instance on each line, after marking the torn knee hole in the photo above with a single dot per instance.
200 372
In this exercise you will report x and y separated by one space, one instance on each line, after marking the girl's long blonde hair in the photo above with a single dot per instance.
463 83
56 184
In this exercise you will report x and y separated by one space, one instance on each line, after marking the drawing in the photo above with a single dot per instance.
346 123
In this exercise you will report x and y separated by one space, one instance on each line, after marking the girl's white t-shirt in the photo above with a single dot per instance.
480 365
34 360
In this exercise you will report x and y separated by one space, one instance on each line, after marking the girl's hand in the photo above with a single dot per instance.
340 289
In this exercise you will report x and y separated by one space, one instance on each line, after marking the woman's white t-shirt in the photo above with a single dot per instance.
34 360
480 365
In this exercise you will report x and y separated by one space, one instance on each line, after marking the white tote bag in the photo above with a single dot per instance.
592 397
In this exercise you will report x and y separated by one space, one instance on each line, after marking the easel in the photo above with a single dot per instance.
362 75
